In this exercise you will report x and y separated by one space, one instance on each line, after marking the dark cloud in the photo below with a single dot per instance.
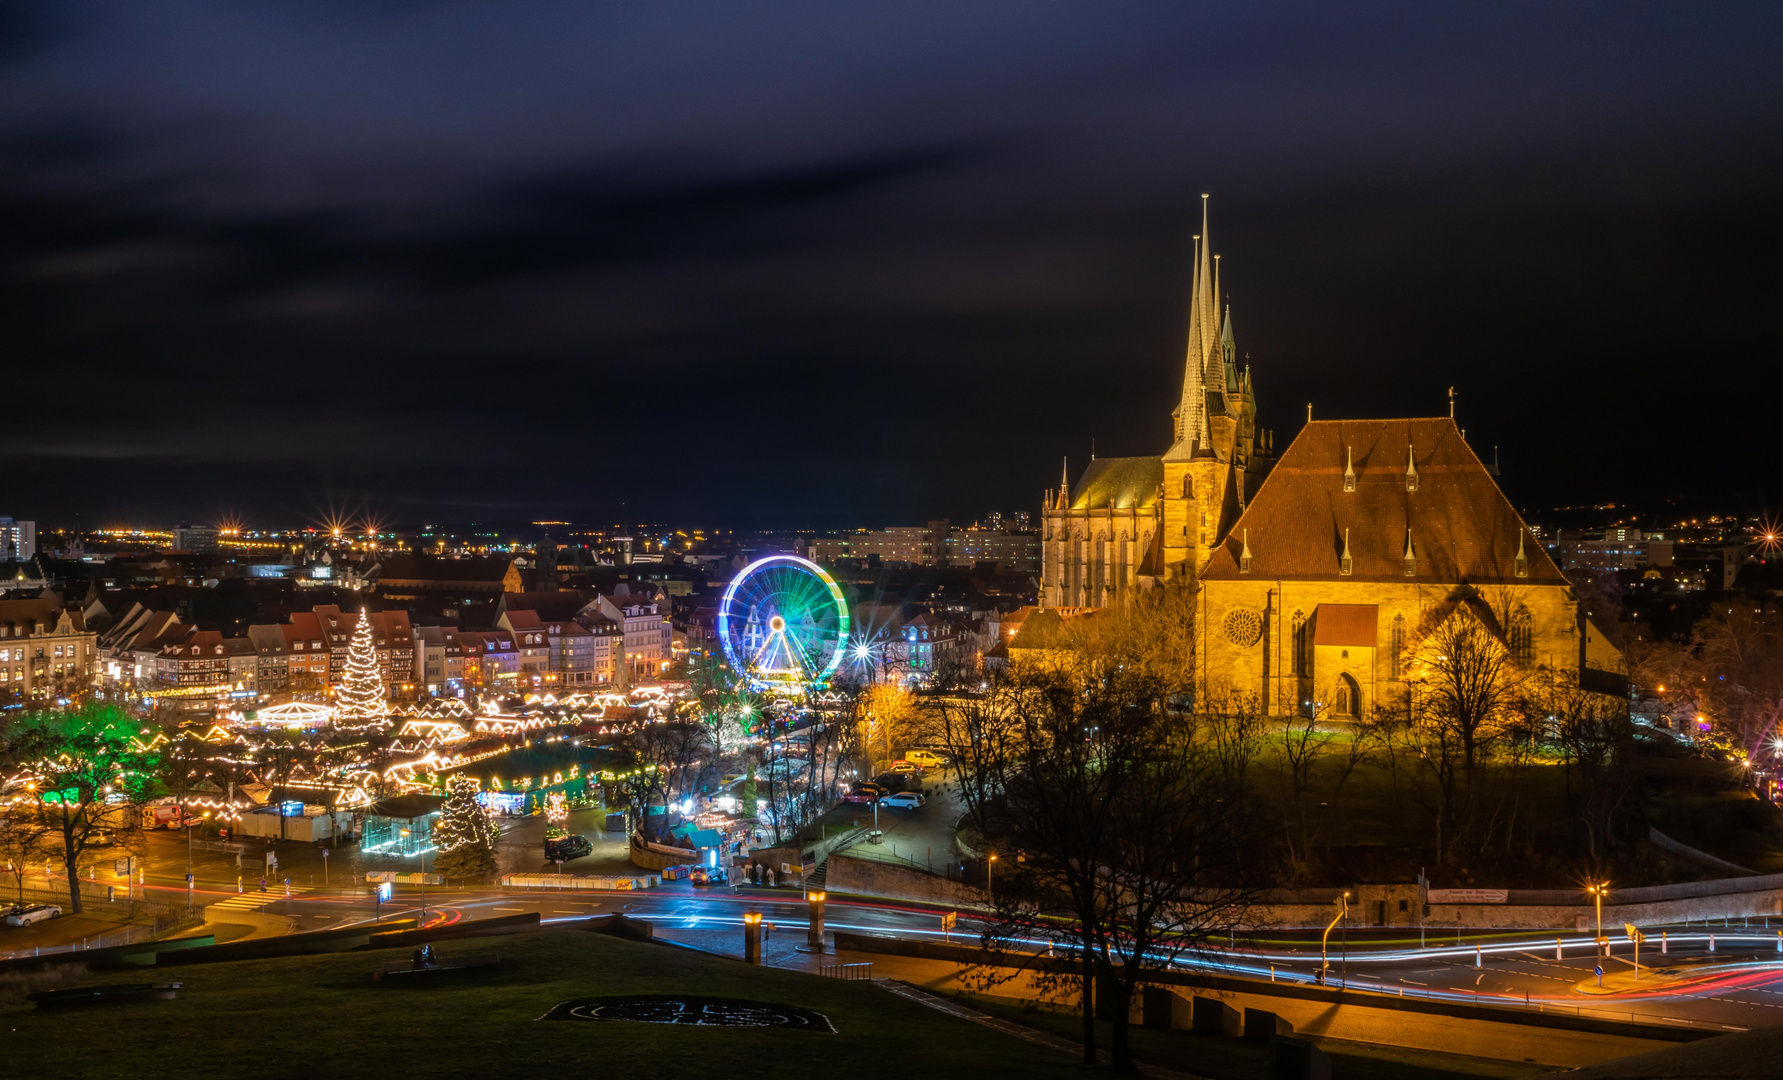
818 265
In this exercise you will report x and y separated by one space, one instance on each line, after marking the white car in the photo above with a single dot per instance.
26 916
928 759
903 800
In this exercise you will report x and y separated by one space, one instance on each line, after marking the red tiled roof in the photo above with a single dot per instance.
1462 527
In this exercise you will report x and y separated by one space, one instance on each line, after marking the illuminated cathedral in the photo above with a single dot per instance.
1315 574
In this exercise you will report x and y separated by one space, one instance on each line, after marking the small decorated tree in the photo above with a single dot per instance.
464 833
362 699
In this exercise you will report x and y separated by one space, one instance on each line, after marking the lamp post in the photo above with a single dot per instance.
1598 889
752 937
1324 955
814 934
989 885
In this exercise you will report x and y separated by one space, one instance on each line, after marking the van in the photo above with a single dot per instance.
928 759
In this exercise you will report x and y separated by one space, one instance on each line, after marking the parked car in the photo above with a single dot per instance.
903 800
892 781
863 793
905 767
568 847
707 875
928 759
25 916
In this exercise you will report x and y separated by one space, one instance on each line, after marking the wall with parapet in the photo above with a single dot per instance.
867 877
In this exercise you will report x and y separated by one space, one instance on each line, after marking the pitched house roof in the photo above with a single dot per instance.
1459 525
24 617
550 606
432 571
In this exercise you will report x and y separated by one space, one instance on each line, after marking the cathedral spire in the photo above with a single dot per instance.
1192 432
1065 483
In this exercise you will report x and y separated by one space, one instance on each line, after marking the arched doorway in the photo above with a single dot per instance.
1349 696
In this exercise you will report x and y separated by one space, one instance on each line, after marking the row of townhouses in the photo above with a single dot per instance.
539 641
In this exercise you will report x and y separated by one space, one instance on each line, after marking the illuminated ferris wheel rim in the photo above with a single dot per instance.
777 623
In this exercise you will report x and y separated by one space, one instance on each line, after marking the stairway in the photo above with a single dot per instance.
816 881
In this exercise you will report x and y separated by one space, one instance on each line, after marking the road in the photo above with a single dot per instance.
1737 985
1729 976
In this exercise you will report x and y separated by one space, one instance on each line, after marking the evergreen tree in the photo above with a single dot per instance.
464 833
362 699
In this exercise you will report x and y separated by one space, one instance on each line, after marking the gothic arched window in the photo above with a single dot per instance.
1301 660
1522 636
1188 487
1399 645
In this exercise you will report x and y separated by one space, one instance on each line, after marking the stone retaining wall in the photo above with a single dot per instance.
868 877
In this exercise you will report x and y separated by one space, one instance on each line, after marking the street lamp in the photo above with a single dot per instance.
1324 956
989 885
1598 890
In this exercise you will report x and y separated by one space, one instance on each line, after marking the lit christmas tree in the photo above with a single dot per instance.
362 699
557 808
464 833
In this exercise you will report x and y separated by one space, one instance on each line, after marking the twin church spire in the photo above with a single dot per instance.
1206 381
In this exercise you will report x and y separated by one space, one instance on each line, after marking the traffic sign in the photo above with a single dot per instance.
948 920
383 892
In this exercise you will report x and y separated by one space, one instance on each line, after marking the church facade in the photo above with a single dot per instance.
1313 576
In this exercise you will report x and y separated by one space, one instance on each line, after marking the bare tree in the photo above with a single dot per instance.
25 837
1298 746
1596 735
1466 683
1730 673
1113 816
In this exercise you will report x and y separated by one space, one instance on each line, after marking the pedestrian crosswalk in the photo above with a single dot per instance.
254 899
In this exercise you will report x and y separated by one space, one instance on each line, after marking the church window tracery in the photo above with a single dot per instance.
1521 637
1399 645
1300 661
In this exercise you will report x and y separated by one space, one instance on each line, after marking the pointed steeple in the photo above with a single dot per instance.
1244 554
1411 469
1411 558
1521 566
1065 483
1192 432
1344 562
1349 470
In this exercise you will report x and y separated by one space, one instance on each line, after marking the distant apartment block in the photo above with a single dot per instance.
18 540
934 544
197 539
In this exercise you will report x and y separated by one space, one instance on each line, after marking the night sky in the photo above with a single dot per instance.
831 264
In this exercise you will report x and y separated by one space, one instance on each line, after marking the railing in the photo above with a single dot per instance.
848 972
92 894
145 931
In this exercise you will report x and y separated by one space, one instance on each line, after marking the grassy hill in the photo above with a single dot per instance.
323 1016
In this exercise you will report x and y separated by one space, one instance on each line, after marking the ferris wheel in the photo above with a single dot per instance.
783 623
